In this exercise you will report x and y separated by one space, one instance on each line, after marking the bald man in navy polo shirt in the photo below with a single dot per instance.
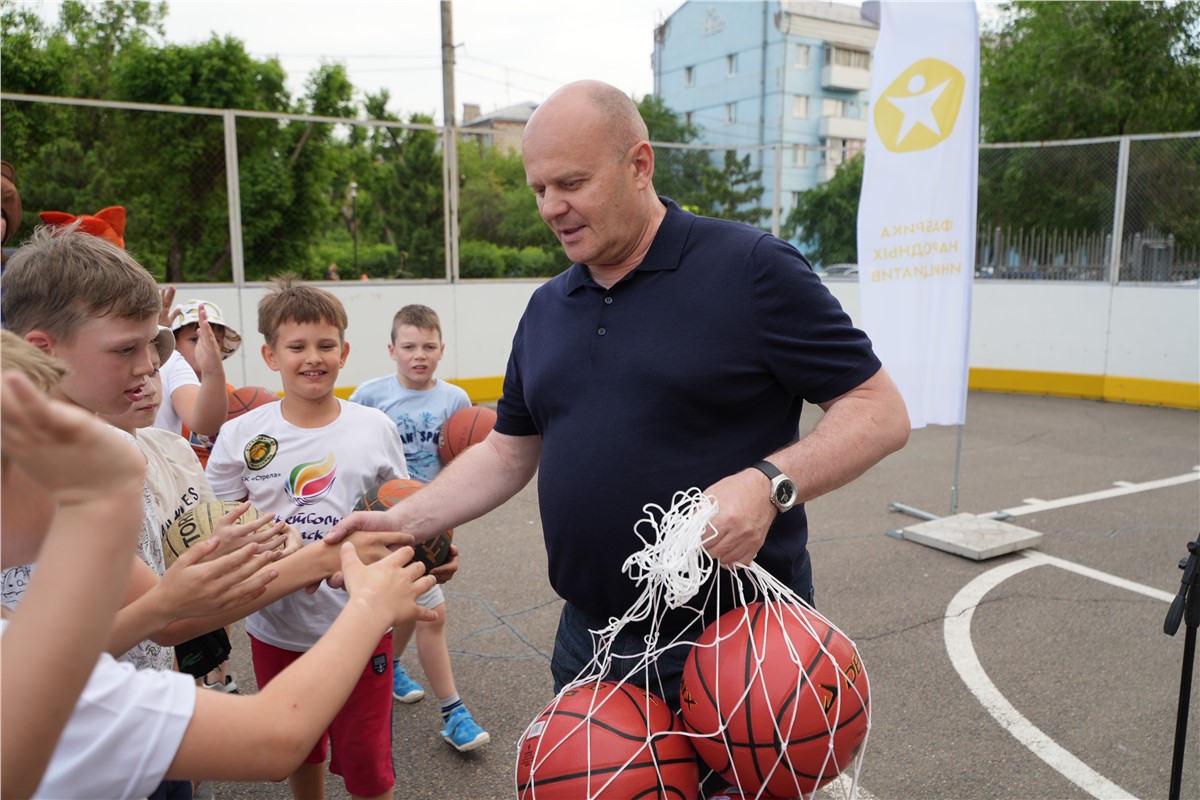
675 352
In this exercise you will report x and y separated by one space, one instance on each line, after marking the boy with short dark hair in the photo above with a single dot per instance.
419 404
308 459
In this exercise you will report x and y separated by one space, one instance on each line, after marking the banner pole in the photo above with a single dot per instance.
957 465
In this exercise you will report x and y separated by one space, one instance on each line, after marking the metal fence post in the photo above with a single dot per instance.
777 195
233 189
1118 226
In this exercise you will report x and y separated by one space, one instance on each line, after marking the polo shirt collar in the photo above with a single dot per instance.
665 251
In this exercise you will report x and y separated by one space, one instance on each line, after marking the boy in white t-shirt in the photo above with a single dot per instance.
308 459
419 404
61 466
195 395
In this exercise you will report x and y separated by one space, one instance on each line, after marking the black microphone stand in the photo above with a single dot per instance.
1186 607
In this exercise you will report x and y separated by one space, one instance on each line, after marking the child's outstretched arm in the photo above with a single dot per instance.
267 735
165 623
59 454
196 585
204 409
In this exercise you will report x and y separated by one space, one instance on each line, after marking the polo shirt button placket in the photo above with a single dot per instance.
607 301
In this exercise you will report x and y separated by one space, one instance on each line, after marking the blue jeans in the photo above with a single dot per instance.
172 790
574 647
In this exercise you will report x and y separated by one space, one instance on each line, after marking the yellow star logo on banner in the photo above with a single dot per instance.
919 109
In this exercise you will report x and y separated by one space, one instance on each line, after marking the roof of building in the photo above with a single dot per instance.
515 113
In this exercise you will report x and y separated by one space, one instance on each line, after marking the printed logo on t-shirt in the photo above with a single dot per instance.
260 450
309 482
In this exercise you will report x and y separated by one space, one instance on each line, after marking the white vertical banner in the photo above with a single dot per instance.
916 217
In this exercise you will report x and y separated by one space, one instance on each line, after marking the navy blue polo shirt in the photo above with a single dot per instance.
691 368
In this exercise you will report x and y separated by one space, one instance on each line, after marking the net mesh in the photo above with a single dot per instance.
775 700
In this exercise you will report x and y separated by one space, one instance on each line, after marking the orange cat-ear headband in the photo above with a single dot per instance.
108 223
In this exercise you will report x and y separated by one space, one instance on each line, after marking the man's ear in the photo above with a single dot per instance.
269 356
643 163
41 340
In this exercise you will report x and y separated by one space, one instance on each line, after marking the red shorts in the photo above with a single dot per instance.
361 733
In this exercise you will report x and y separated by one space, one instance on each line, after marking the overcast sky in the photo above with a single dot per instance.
509 51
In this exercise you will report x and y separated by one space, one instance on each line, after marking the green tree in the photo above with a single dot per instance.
825 218
734 192
1072 70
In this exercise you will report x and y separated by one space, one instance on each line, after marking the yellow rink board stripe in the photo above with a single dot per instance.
1139 391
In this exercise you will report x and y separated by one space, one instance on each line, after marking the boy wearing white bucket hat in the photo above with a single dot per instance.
195 394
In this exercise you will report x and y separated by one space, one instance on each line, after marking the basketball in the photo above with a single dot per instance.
791 692
432 552
464 428
604 740
249 397
197 524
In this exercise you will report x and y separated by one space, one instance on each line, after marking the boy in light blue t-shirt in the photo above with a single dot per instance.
420 404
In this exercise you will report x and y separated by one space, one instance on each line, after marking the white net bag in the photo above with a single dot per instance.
774 700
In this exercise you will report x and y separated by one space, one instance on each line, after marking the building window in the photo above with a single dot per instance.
802 55
730 113
799 159
832 107
800 106
689 76
839 56
839 150
689 118
731 65
795 199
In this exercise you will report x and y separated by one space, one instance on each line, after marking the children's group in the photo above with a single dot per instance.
118 429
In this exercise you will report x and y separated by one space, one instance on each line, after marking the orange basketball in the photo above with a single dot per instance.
780 696
249 397
465 427
432 552
604 740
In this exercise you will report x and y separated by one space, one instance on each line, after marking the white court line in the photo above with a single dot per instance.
957 633
1033 505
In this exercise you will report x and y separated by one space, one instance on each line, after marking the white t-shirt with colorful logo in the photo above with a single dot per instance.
311 478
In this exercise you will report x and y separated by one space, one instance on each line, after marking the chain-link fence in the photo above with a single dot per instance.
220 195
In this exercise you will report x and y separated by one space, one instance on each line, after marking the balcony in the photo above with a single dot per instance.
843 128
851 79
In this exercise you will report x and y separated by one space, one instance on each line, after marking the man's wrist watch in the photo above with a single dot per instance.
783 491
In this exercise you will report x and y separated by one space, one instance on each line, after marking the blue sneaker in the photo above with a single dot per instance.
404 688
462 732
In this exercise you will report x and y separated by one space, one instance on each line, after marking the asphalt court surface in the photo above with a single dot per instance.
1070 688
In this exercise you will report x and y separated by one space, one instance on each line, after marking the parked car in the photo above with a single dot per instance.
839 271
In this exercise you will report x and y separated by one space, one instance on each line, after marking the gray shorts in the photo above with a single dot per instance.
433 598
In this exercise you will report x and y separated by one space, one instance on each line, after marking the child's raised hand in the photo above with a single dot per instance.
293 541
73 455
446 570
200 583
267 533
390 585
166 314
371 546
208 352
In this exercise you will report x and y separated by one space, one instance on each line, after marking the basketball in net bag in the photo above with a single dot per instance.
606 741
780 697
